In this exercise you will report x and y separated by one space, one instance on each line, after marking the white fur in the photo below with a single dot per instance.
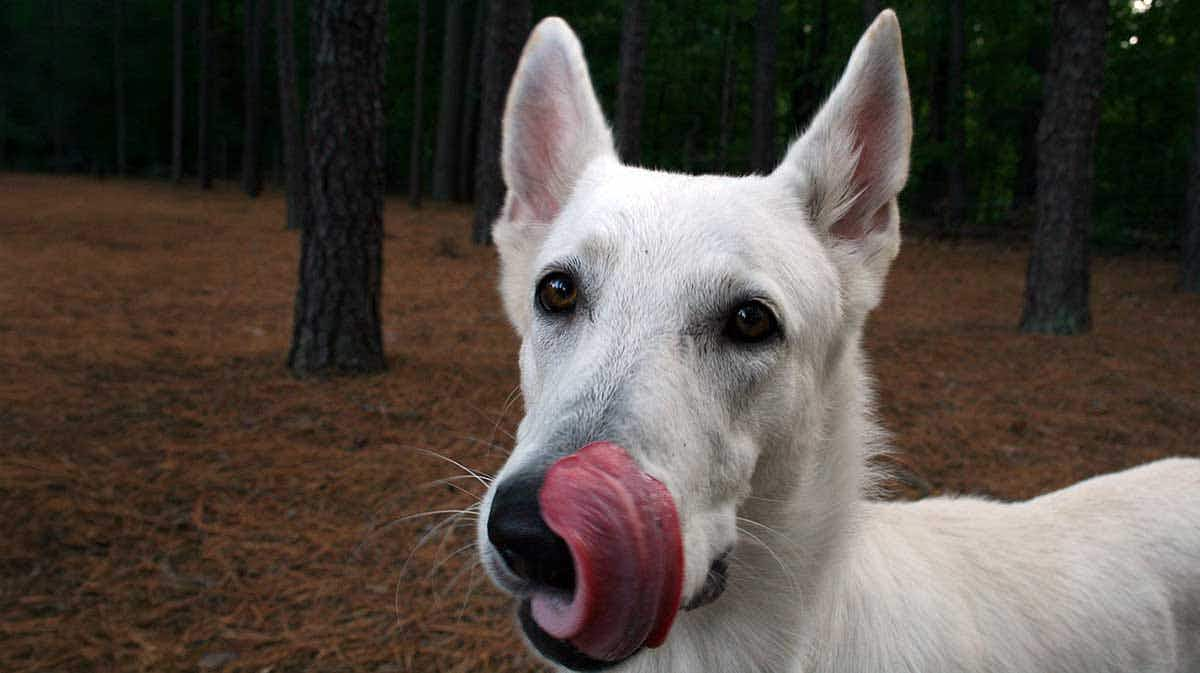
767 448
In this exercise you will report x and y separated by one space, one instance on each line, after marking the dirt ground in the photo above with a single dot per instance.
171 499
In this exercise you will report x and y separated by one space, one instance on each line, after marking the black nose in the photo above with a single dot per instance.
529 548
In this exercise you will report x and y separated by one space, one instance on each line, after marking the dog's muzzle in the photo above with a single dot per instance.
602 554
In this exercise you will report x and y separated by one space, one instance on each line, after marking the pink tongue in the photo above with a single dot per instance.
623 532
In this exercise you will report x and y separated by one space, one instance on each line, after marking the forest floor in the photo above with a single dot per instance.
172 499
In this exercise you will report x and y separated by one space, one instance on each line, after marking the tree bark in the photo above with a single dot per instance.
808 88
631 85
3 131
58 83
223 43
469 124
337 324
291 125
415 145
203 99
956 182
450 103
177 99
728 72
118 84
255 11
1190 270
1056 292
507 26
766 28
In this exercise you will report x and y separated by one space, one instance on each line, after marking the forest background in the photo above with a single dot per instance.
59 103
188 479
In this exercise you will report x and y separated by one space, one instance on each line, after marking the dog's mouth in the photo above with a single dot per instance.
623 533
714 584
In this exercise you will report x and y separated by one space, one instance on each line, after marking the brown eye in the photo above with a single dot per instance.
556 293
751 322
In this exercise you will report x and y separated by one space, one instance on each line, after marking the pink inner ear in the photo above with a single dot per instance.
541 127
865 216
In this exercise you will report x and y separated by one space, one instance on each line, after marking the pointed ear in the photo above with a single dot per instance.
553 129
852 161
553 126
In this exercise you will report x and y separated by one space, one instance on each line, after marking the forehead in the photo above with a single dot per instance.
643 224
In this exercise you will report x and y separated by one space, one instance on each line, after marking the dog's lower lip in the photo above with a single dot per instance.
561 652
714 584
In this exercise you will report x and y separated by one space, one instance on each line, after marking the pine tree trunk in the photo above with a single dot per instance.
1056 292
766 28
728 72
58 81
3 130
415 144
1190 276
631 86
177 99
446 148
337 326
255 11
223 38
472 92
118 83
956 182
203 101
291 125
810 87
507 27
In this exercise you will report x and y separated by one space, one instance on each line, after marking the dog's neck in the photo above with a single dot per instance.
801 518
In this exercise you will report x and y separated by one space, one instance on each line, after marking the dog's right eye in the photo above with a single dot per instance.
556 292
751 322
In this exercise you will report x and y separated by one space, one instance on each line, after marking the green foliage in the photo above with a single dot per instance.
56 89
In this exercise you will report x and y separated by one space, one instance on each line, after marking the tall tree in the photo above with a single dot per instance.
728 74
203 99
57 93
255 15
177 99
507 26
446 148
118 83
631 85
222 62
956 127
337 322
1190 276
808 88
469 125
766 30
291 125
415 146
1056 291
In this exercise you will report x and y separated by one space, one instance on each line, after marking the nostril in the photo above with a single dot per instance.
529 548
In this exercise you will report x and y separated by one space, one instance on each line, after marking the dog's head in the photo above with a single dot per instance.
679 333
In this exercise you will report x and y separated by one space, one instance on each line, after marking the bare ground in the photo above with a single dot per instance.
171 499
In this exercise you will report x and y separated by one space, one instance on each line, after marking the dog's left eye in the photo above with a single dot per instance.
751 322
556 293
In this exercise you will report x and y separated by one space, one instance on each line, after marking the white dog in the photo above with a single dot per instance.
689 489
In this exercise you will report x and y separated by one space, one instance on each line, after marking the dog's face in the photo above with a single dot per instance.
688 324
